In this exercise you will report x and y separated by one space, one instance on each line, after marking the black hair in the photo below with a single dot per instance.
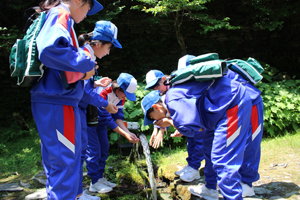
156 84
86 38
48 4
150 110
115 86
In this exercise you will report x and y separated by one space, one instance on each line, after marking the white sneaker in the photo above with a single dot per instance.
106 182
202 191
86 196
181 172
247 190
190 175
99 187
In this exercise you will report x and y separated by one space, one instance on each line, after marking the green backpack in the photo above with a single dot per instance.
23 59
209 67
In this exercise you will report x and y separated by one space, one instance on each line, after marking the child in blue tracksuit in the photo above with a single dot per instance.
220 107
98 144
55 102
249 169
95 44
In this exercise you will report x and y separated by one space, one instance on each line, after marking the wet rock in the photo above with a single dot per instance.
11 187
261 190
25 185
40 194
276 198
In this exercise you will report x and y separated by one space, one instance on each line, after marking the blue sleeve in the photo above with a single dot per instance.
185 116
119 114
90 96
106 118
55 49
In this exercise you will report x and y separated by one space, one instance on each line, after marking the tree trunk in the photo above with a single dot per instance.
180 39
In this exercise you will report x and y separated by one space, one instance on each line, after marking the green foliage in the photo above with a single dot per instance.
281 107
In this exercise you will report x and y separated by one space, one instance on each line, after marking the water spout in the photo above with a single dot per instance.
146 151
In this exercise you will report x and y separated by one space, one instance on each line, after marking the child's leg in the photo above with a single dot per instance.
197 153
84 141
209 172
93 153
104 144
190 145
228 148
249 169
59 129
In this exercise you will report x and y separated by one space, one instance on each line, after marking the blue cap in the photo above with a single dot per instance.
184 61
148 101
96 8
106 31
128 83
152 77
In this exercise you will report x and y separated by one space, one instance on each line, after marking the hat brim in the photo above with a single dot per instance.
96 8
147 121
116 43
130 96
151 83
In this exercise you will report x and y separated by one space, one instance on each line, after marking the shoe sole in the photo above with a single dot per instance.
190 180
99 191
202 196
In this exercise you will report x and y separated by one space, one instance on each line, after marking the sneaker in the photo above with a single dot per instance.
106 182
202 191
247 190
99 187
86 196
181 172
190 175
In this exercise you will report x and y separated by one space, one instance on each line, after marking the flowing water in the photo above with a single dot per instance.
146 151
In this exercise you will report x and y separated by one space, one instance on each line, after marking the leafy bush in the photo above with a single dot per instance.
281 106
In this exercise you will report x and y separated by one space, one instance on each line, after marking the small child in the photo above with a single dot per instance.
98 144
155 80
95 44
54 104
220 107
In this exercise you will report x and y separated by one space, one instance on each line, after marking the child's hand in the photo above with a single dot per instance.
111 108
89 74
159 139
164 122
176 134
131 137
103 82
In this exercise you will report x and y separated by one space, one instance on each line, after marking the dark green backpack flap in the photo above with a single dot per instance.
204 58
203 71
247 70
23 59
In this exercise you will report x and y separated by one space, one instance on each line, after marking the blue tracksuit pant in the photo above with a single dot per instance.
97 151
84 141
60 133
249 169
195 151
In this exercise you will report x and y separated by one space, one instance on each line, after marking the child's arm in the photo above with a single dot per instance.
153 136
122 130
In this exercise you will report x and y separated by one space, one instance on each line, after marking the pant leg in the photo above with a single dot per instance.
104 145
209 172
228 148
197 153
84 141
249 169
59 129
190 147
93 154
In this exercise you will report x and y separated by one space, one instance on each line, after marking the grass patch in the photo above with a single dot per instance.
20 156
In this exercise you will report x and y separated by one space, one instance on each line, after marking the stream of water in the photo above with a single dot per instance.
146 151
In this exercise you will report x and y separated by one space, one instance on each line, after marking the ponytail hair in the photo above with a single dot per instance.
85 38
48 4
